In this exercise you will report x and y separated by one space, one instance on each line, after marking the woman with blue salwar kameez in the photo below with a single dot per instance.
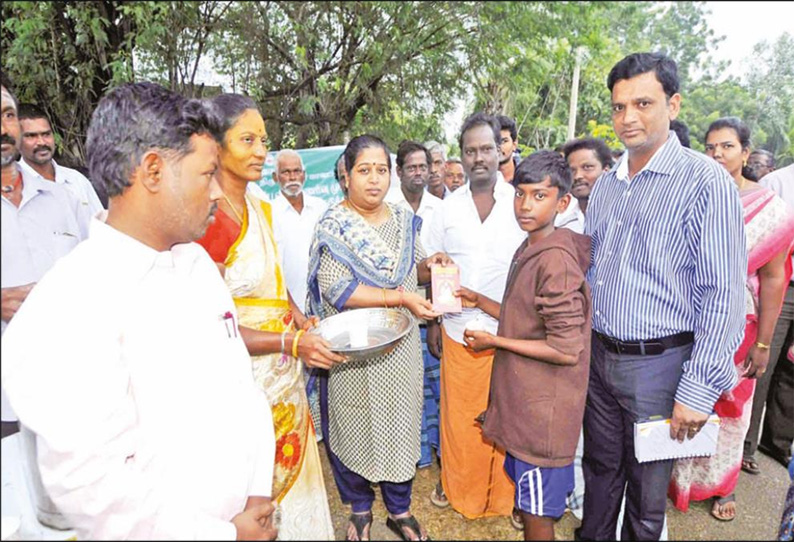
367 253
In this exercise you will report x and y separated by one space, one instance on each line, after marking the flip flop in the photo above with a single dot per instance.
397 525
719 502
750 465
516 519
360 521
438 497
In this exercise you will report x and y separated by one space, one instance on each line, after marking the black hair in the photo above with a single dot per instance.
764 152
31 112
742 134
682 131
638 63
539 165
599 148
733 123
409 147
480 119
357 146
336 166
135 118
506 123
231 107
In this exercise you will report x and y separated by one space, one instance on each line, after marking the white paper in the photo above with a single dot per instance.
652 441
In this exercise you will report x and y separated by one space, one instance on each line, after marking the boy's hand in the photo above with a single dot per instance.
468 299
479 340
439 258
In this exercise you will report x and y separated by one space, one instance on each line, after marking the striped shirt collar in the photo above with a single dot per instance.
663 161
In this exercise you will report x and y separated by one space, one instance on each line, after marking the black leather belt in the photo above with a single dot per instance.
651 347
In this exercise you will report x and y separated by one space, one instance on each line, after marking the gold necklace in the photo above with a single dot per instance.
234 209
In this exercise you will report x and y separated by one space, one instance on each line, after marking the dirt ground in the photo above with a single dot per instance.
759 507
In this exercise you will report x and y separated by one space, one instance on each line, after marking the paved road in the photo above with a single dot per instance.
759 505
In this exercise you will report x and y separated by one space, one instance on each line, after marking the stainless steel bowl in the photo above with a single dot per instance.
364 333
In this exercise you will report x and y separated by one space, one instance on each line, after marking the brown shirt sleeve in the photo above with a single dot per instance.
559 300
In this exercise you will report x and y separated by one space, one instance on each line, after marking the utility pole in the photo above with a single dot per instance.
574 94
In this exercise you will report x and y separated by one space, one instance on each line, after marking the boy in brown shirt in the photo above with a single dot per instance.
540 372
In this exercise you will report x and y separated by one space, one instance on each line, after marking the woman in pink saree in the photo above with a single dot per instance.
769 232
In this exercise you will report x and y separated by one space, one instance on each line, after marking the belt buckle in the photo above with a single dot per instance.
615 344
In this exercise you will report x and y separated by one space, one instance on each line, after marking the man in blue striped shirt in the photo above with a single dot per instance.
667 278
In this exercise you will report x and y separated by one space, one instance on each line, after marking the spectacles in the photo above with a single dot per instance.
414 168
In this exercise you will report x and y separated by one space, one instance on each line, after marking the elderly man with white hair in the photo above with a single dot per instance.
294 216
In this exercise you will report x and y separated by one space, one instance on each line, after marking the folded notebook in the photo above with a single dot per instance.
652 440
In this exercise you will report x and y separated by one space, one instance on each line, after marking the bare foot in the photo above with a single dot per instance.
725 510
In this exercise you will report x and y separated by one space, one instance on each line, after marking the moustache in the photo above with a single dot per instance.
42 148
5 138
213 208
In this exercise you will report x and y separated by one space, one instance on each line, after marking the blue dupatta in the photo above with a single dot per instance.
353 242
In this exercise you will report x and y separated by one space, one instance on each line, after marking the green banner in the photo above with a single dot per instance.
320 181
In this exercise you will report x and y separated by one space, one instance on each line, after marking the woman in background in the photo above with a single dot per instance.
769 233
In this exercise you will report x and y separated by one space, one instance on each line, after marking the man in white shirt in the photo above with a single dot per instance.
295 214
37 146
476 227
438 170
588 158
141 330
413 169
41 222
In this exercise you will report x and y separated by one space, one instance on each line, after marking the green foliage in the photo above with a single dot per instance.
764 100
64 56
322 71
603 131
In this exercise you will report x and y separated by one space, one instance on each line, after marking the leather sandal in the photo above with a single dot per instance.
360 521
397 526
438 497
516 519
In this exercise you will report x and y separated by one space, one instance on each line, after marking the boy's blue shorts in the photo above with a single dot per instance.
540 491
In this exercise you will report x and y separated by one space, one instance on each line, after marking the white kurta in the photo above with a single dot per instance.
427 206
294 232
482 250
148 420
